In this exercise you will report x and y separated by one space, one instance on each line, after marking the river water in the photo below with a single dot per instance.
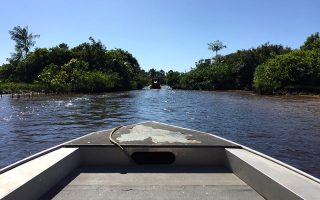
286 128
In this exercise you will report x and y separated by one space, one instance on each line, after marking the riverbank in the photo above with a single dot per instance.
251 92
29 90
11 87
288 94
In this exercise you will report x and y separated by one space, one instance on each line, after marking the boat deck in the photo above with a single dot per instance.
153 134
152 182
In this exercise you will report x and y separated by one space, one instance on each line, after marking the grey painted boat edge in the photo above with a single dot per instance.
271 178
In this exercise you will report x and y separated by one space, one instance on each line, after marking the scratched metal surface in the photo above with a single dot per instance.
154 134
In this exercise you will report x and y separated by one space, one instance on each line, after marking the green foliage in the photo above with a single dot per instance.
73 77
24 41
140 80
298 70
233 71
244 62
312 42
5 72
196 79
17 87
96 81
60 54
94 53
173 79
155 75
27 70
216 46
122 62
208 77
88 67
48 74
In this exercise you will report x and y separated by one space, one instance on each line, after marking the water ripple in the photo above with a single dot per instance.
287 128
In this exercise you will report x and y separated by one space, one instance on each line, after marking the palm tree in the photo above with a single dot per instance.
216 46
24 41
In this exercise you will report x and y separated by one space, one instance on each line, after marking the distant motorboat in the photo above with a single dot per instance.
155 85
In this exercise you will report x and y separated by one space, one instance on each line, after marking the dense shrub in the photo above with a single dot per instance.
73 77
208 77
173 79
244 62
299 70
19 87
88 67
233 71
312 42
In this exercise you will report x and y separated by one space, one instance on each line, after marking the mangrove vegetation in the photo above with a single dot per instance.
90 67
266 69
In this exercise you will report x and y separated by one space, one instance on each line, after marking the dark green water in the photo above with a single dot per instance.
286 128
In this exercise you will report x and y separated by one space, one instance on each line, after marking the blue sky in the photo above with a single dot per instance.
164 34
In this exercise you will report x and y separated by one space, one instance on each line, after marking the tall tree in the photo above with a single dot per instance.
216 46
24 41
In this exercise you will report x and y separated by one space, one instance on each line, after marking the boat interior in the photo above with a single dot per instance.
152 160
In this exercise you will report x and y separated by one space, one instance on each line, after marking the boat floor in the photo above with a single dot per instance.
152 182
